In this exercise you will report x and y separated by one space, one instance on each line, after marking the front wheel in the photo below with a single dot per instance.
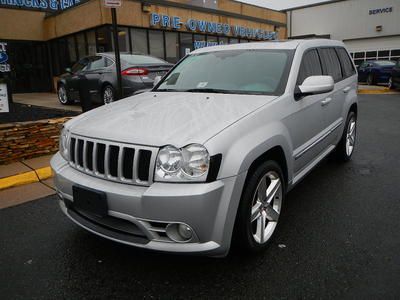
108 94
346 146
260 207
390 83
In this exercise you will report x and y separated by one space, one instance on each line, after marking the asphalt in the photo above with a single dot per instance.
339 237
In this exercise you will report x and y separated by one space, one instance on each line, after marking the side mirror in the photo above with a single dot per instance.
157 79
317 85
68 70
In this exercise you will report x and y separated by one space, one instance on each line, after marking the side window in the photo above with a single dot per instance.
97 62
109 62
330 63
347 66
310 65
80 65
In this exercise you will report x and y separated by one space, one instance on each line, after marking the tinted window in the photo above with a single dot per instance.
330 63
80 65
310 65
234 72
97 62
139 41
156 42
345 60
385 63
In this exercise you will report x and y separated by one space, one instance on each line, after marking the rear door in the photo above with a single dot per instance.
363 71
396 75
77 76
96 74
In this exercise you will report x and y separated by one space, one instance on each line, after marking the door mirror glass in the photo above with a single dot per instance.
157 79
317 85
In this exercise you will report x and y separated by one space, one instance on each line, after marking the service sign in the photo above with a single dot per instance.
4 107
112 3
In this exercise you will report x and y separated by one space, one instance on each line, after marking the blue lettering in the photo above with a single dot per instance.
35 3
242 31
165 21
219 28
211 27
202 25
226 29
53 4
154 19
43 4
28 3
191 24
176 22
236 30
199 44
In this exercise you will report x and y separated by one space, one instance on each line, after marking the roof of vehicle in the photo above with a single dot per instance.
275 44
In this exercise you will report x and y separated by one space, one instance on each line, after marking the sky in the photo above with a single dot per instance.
281 4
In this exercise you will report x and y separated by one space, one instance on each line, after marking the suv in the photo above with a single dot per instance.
208 155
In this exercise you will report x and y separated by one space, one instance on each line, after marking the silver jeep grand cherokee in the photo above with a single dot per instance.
207 157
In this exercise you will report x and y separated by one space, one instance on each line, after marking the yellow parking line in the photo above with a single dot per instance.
25 178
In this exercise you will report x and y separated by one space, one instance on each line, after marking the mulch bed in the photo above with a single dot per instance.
23 112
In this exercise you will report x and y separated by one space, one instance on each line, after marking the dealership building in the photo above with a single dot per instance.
40 38
369 28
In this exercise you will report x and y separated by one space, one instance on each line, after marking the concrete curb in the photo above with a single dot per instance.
26 178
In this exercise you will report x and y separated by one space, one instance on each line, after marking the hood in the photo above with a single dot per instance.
157 119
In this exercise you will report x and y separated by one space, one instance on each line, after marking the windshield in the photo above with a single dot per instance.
141 59
231 71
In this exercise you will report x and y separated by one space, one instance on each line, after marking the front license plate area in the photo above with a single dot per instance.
89 201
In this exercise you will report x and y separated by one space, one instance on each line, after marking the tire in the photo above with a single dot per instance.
265 214
370 79
108 94
345 149
63 95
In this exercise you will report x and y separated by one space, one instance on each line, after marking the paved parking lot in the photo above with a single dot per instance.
339 238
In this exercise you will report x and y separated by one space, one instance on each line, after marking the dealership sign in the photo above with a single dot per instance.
383 10
4 107
49 5
194 25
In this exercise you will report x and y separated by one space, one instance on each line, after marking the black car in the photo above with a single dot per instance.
394 80
95 77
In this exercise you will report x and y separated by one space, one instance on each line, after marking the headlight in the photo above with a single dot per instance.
63 143
191 163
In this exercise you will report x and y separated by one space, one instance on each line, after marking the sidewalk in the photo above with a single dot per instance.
48 100
25 181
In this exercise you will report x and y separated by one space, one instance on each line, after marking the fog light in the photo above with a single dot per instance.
179 232
185 231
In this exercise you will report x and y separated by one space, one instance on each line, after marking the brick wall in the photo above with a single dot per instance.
23 140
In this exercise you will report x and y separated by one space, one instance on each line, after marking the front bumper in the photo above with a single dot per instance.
208 208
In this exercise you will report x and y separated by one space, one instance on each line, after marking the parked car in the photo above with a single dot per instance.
208 155
375 71
394 80
97 76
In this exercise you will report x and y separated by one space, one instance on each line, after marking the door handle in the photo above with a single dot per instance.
326 101
346 89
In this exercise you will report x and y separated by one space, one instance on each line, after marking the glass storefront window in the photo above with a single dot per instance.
186 45
223 40
91 40
212 40
156 42
199 41
233 41
139 41
81 44
171 47
71 49
104 43
123 40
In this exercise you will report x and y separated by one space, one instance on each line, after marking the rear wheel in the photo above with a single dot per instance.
260 207
62 95
108 94
346 146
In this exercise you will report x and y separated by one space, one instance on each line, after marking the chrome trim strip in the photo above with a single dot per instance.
319 140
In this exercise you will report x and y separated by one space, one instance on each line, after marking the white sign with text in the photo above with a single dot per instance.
112 3
4 107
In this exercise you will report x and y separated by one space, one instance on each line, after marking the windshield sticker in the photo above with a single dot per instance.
202 84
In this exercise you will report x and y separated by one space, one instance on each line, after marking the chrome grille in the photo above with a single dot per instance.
113 161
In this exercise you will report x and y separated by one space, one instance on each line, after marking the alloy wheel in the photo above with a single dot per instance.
266 207
108 95
62 95
350 136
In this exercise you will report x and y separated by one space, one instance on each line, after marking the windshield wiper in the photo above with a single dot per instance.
208 90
